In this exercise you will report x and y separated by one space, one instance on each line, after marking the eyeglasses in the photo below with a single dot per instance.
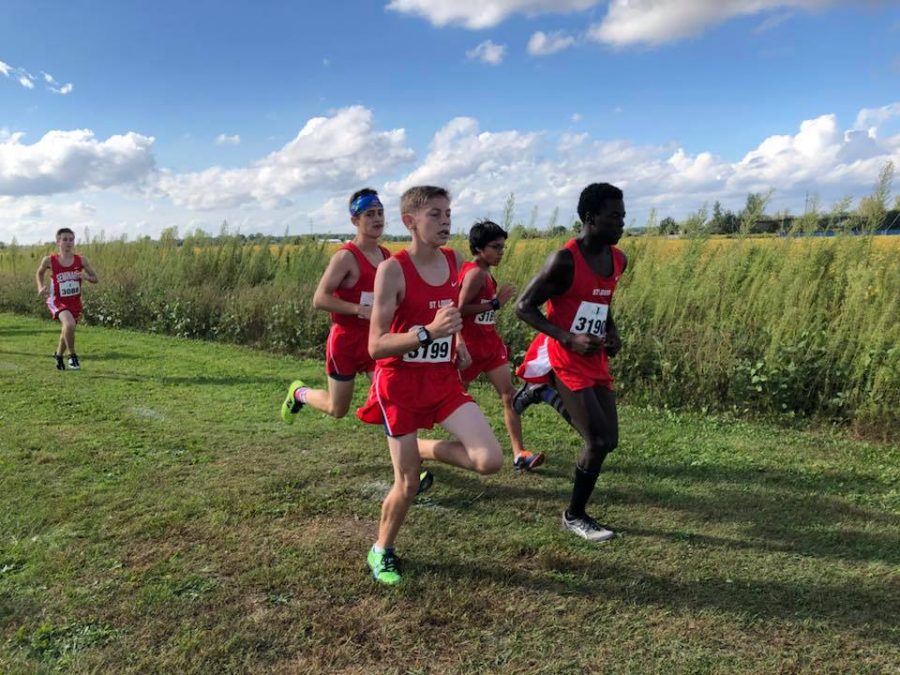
496 247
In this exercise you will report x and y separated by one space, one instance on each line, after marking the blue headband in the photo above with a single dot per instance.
364 203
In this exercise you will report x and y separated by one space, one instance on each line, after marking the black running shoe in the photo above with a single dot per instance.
60 363
73 362
528 394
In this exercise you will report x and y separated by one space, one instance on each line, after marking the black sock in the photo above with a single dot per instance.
581 491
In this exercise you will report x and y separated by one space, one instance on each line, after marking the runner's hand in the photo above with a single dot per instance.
613 344
447 321
505 293
42 291
463 358
364 311
584 344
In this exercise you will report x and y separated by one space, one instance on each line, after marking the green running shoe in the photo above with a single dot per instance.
426 480
385 566
291 406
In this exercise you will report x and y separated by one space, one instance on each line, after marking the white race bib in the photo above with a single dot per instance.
486 318
437 352
590 318
69 288
366 298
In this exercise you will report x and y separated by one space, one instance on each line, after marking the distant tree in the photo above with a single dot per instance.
723 221
873 209
754 211
668 225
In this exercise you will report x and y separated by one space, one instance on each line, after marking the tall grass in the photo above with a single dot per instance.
795 326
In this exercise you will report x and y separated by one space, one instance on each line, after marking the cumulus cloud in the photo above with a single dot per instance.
478 14
225 139
26 81
654 22
5 69
328 153
482 167
487 52
65 161
543 44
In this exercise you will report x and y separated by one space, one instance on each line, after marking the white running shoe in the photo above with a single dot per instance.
586 528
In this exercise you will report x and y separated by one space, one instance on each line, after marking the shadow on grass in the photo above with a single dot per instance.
868 611
774 515
197 380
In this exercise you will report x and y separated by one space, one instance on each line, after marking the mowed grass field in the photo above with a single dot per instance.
157 516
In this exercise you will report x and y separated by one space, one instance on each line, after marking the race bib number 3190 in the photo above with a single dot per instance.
590 318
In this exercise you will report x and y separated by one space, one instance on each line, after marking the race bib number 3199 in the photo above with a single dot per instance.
590 318
436 352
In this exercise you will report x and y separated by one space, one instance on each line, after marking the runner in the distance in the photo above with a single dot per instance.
479 302
416 383
64 292
576 338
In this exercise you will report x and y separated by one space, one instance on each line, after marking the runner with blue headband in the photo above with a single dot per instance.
365 202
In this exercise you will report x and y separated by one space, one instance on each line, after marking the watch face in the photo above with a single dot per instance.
422 334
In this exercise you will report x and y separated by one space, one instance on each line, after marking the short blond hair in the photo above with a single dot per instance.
416 197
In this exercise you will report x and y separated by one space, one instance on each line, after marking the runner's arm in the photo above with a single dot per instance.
39 276
339 268
554 279
91 274
469 289
613 343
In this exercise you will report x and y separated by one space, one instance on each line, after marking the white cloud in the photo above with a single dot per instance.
577 117
225 139
542 44
481 168
874 117
333 152
478 14
309 179
487 52
27 80
772 22
65 161
654 22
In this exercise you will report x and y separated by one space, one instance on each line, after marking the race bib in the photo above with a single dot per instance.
486 318
590 318
366 298
69 288
437 352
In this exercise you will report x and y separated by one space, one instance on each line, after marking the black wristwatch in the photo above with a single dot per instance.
424 336
495 304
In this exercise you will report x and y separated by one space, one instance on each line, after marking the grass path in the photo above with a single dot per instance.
157 516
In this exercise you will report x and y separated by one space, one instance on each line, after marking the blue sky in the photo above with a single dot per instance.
128 117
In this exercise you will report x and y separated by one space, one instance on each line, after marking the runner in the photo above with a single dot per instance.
576 338
479 302
345 290
64 292
413 337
